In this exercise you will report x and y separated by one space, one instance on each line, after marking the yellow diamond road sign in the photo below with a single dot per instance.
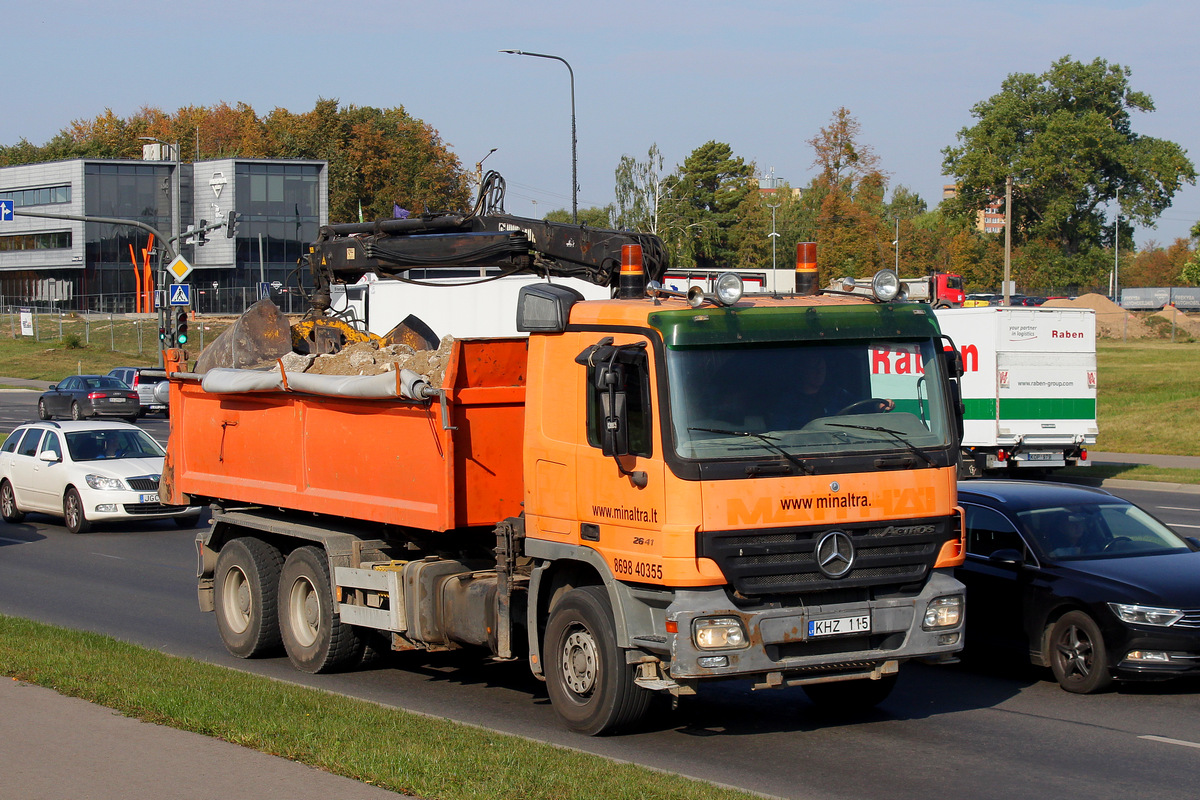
180 268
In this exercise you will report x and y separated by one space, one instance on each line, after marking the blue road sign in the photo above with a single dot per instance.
264 289
6 210
181 294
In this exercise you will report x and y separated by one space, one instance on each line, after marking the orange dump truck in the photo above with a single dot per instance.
639 496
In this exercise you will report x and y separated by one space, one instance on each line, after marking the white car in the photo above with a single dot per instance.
84 472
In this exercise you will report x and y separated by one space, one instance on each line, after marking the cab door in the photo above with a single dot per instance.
621 495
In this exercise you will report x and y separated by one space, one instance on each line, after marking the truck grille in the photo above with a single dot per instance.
783 561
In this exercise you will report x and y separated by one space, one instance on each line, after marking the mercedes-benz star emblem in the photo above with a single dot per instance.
835 554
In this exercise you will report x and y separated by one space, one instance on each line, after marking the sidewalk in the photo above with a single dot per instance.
54 746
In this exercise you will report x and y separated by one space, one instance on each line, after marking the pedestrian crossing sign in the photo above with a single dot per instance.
181 294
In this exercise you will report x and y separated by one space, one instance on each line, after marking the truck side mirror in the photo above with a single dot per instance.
610 380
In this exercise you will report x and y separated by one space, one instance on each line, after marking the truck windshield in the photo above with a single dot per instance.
827 398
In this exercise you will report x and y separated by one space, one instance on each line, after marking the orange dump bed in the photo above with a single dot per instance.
385 460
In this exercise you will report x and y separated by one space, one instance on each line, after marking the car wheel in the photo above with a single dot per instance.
314 636
850 697
76 411
73 513
132 420
1078 657
8 504
589 683
246 597
42 412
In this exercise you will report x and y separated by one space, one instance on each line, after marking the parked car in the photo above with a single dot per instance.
80 396
84 472
136 379
1086 583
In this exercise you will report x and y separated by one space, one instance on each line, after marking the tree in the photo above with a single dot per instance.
1066 139
639 188
699 216
839 153
594 217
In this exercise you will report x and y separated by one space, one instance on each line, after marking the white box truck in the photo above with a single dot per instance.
1029 386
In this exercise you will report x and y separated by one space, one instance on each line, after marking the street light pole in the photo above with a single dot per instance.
176 223
574 160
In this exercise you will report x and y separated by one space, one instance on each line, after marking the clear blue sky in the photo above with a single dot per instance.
761 75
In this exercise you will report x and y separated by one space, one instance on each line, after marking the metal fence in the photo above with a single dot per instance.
205 300
124 333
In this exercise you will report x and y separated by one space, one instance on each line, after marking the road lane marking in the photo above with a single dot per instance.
1183 525
1165 740
14 541
1177 508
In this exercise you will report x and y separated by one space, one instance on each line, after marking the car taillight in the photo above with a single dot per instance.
1001 455
97 395
1083 454
135 380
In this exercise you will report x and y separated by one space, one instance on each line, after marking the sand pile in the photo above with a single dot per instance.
1112 321
1189 325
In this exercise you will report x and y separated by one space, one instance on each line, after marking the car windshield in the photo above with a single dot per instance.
103 444
807 398
1103 530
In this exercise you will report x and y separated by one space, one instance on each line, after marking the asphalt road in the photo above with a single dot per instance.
978 731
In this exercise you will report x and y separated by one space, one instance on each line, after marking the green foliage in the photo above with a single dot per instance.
72 341
700 212
594 217
1066 139
377 157
639 190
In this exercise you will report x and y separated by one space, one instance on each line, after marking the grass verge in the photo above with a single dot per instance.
1130 472
1147 397
382 746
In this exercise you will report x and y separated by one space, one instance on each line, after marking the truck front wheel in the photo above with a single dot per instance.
313 633
247 594
590 685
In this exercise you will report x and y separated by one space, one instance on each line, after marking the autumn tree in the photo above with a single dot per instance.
1066 139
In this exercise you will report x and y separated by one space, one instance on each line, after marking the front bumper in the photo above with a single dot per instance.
100 506
779 650
1155 655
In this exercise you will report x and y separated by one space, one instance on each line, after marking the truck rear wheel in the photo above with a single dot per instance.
313 633
590 685
247 595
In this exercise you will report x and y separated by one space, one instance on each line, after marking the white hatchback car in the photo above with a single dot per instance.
84 472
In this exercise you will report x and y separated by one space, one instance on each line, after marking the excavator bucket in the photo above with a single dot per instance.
326 335
259 336
413 332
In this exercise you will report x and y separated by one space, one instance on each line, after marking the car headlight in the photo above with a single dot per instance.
885 285
104 482
943 612
728 288
718 633
1146 615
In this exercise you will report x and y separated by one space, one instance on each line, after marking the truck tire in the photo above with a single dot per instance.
849 697
246 589
313 634
1078 657
8 504
590 685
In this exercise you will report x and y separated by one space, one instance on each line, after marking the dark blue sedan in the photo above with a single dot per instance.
1088 584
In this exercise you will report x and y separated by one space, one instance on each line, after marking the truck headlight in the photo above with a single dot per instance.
944 612
104 482
718 633
885 285
1146 615
728 288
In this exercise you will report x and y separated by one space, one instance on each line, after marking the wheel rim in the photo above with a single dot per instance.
75 413
73 511
8 503
41 409
580 662
1076 653
235 600
304 612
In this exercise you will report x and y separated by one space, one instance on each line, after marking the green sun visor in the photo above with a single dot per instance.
722 326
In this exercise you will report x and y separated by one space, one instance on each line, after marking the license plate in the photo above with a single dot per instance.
1040 457
840 625
118 400
148 498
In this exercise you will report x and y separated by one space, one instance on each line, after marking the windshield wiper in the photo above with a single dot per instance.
912 448
769 441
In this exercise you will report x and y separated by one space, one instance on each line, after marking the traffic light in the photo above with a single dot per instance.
162 334
201 234
231 225
181 322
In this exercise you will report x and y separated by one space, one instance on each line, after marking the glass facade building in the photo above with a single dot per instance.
77 265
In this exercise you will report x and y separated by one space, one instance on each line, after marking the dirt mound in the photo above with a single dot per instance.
1189 325
1112 321
365 358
